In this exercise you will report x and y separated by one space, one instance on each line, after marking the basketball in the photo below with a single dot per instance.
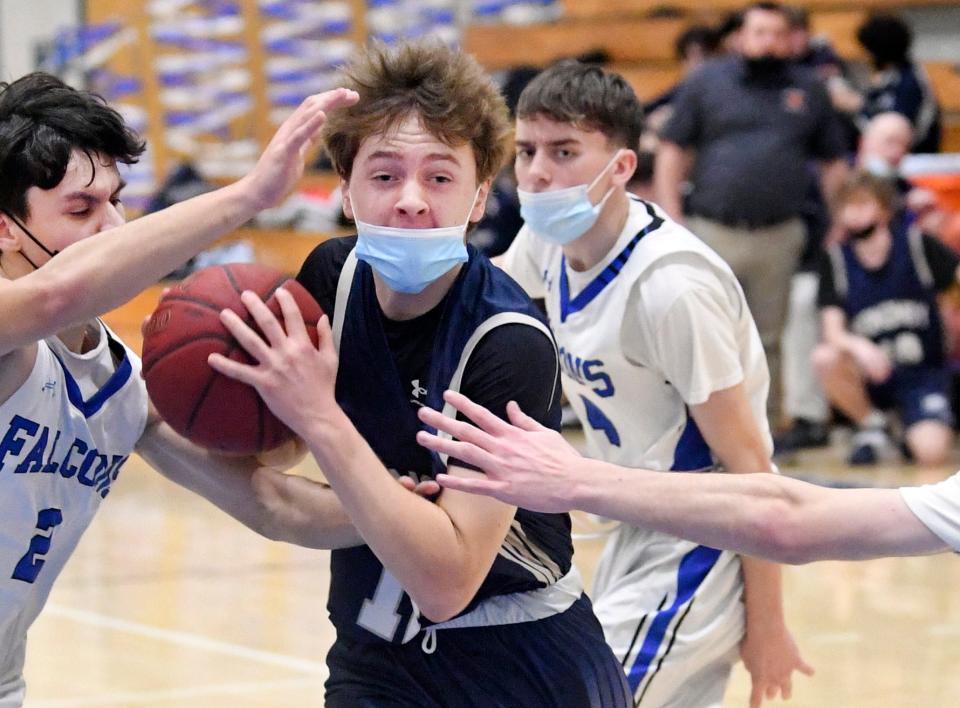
201 404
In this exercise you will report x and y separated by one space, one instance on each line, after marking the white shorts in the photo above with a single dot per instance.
673 613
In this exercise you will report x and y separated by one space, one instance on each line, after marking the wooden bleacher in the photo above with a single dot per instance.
639 36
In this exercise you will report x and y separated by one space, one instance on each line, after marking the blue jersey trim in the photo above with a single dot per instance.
117 380
692 452
604 277
693 569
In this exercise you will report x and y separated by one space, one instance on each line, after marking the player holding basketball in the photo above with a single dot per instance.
664 367
436 603
72 402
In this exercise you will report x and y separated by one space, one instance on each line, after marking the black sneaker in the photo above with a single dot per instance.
802 434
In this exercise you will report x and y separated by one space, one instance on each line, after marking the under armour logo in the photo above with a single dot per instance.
418 390
48 386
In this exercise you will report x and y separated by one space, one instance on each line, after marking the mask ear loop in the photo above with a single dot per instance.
31 237
606 195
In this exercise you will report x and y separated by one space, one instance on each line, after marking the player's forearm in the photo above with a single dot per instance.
762 595
276 505
100 273
741 513
415 539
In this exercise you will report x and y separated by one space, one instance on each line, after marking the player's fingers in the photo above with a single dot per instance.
471 454
292 317
805 668
521 419
484 419
315 110
756 695
244 373
771 690
407 483
265 319
786 689
324 333
427 488
459 429
241 331
474 485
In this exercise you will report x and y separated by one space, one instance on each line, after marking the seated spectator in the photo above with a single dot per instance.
897 84
882 345
885 142
814 53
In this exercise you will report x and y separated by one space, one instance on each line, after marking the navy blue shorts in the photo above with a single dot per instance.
559 662
917 393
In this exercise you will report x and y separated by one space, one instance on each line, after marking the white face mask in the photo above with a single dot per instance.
563 215
408 260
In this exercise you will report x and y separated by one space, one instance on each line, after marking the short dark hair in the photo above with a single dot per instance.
42 121
448 90
887 38
588 97
696 36
767 6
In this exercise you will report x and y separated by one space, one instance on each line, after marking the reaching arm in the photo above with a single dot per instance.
100 273
440 553
763 515
279 506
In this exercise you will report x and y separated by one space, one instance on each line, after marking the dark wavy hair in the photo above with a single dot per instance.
42 122
887 38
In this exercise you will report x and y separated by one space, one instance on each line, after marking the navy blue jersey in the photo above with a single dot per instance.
895 306
366 603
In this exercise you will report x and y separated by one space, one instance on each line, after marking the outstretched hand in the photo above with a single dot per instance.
526 464
281 164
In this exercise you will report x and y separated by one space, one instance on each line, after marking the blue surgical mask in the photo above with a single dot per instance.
563 215
408 260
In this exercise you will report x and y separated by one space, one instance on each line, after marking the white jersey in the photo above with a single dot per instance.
64 435
657 326
938 507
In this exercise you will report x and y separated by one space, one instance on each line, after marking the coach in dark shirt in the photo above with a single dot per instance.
752 123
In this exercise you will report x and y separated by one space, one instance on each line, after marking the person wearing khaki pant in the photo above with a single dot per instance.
745 131
764 260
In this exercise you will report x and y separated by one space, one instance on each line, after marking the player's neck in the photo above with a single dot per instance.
591 248
81 338
406 306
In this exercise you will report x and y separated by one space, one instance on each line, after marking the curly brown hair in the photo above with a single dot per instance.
456 101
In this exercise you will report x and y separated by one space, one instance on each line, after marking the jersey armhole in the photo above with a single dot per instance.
479 333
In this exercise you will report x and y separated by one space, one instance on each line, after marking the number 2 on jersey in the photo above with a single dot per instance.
32 562
379 613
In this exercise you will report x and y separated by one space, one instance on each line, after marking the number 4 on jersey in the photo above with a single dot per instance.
32 562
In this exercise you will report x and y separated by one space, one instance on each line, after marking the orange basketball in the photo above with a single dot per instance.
204 406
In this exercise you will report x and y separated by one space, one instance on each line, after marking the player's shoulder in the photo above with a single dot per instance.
16 367
320 271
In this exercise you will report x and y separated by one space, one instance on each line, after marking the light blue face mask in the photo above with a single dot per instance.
563 215
408 260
